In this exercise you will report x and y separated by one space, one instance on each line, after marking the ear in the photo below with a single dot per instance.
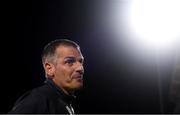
49 69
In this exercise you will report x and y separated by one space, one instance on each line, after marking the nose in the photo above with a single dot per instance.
80 69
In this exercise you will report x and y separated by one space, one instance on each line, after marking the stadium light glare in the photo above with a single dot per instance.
155 23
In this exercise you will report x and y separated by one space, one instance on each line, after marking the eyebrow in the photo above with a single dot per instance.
69 57
73 57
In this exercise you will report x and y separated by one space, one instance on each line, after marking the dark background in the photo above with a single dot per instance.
113 83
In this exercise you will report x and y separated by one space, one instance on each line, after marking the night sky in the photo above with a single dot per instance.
113 82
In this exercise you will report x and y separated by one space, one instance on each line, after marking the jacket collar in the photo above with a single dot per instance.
67 98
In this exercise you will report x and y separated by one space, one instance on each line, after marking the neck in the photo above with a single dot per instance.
65 91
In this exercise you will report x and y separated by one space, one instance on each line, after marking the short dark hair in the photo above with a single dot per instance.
50 49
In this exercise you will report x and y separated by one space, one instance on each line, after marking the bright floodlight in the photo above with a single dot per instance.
155 23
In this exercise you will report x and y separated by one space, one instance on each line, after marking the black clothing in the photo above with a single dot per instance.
47 98
177 108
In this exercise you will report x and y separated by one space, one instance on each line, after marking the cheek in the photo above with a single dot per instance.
69 71
64 72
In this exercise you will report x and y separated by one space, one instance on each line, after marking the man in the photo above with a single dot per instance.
63 64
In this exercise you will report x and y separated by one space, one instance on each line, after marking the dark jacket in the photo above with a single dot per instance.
47 98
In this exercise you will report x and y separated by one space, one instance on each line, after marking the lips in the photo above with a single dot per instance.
78 77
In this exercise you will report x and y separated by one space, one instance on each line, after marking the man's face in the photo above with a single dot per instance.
68 68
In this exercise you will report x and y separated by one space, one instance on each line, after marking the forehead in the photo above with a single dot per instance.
65 51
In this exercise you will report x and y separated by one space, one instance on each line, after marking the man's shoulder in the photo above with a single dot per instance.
42 99
33 100
33 94
41 92
44 90
38 93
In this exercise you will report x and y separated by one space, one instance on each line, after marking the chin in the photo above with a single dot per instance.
78 86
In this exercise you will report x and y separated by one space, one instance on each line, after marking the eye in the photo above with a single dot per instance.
70 61
81 61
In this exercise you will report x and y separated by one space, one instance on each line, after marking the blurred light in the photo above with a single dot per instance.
146 29
156 23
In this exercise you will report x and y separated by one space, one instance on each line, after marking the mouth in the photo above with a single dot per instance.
78 77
